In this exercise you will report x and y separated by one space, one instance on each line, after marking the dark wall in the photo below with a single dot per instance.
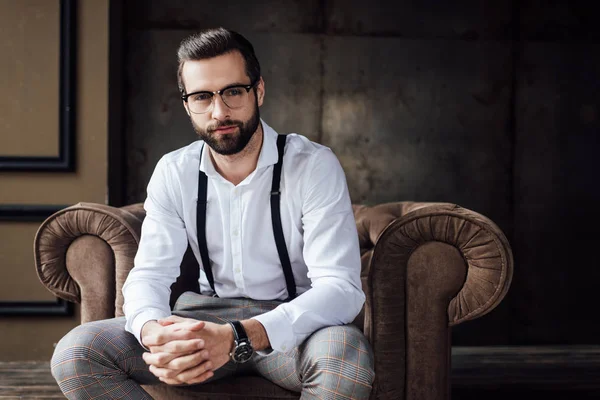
492 105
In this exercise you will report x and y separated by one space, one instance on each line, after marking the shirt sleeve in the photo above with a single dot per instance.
157 262
332 254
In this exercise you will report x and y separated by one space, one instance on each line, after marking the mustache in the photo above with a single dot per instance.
214 127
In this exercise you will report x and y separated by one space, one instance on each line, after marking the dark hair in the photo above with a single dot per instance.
211 43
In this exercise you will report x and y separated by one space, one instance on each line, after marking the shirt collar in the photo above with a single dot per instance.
268 152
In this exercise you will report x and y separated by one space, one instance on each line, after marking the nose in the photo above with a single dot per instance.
220 110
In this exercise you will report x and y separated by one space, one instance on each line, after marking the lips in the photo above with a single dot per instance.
226 129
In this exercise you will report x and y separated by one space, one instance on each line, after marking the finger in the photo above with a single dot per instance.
189 361
179 347
168 335
194 372
162 360
189 324
175 319
205 376
167 322
169 381
202 378
192 325
172 318
158 359
164 372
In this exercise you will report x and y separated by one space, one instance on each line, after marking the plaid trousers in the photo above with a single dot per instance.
100 360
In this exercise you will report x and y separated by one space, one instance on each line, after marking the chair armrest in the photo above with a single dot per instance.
83 253
430 269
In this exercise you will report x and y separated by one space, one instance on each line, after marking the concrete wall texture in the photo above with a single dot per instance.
491 105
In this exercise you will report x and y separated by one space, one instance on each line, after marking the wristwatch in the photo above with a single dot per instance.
242 348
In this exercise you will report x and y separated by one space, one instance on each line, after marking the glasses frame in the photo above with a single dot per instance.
220 93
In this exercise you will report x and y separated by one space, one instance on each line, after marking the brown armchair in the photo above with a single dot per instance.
425 268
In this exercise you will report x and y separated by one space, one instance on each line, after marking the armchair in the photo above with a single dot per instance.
425 268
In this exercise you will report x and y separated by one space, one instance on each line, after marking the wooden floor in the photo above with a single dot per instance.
27 380
571 373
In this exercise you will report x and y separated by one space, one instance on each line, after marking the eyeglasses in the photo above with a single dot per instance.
233 96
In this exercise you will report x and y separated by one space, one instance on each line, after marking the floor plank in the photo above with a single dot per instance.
27 380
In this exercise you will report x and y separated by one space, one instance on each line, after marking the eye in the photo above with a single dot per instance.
234 91
201 97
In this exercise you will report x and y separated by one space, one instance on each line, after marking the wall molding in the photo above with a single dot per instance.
65 161
59 307
27 213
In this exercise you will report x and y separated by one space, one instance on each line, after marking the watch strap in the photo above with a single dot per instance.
239 332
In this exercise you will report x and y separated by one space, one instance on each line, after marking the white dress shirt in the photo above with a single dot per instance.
318 226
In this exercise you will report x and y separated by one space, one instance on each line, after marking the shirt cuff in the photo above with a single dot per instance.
279 330
264 352
138 322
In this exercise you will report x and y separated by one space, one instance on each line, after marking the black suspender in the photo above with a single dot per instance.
201 227
275 217
276 220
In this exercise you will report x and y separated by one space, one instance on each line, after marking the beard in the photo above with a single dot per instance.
231 143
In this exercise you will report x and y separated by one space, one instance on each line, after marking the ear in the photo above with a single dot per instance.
185 106
260 91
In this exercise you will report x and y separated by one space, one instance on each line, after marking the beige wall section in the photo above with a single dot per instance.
32 338
18 281
88 183
29 43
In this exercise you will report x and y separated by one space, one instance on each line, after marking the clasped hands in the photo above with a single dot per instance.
185 350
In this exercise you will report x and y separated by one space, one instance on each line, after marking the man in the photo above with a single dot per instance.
277 298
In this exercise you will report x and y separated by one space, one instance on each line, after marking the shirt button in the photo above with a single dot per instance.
237 270
235 232
284 348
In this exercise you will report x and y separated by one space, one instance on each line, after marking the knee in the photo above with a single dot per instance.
68 351
341 353
83 346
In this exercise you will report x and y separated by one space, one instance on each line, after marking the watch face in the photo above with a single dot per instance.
243 352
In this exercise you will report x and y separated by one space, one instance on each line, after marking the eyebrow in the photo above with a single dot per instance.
224 87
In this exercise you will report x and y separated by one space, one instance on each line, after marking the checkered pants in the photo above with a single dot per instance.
100 360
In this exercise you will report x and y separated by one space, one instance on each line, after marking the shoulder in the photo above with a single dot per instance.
312 167
303 152
183 159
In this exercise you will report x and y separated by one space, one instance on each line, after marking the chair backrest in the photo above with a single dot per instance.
370 222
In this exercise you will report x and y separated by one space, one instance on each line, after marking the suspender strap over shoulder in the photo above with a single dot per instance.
201 227
275 218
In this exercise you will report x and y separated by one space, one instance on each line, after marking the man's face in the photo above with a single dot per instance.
227 131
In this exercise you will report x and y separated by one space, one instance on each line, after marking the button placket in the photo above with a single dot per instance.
236 237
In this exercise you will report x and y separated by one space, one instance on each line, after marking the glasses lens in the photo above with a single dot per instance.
200 103
235 97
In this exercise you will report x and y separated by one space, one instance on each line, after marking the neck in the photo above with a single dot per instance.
236 167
